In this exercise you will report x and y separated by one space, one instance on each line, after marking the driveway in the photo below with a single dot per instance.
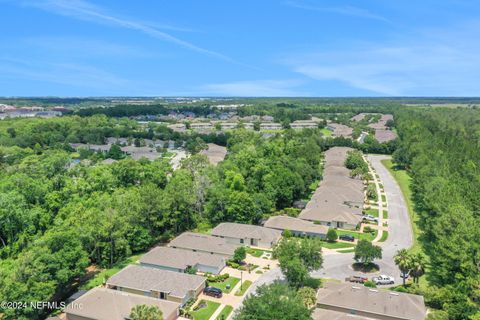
338 266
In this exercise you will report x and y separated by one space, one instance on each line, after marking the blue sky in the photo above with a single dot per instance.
240 48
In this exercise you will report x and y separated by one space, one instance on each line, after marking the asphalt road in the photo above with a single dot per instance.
338 266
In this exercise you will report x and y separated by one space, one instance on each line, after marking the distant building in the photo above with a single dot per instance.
340 130
304 124
270 126
214 153
177 127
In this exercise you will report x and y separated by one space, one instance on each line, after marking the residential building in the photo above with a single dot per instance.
228 125
297 227
177 127
214 153
370 303
106 304
384 135
340 130
203 243
303 124
325 314
338 200
201 126
247 234
157 283
270 126
180 260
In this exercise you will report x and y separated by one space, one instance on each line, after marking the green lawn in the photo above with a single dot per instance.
225 312
358 235
373 212
404 181
384 198
223 285
384 236
103 275
205 313
255 252
245 285
336 245
326 132
385 214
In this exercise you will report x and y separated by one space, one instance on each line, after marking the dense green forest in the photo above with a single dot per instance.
441 150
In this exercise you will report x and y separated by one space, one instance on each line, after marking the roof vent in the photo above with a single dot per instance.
372 290
394 294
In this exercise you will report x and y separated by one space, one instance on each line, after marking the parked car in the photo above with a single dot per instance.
213 292
347 237
356 279
369 217
383 279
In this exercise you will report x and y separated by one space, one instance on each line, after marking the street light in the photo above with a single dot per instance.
241 280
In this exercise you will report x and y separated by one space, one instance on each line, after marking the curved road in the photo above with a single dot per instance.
338 266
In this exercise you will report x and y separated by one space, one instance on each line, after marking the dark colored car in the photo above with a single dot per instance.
347 237
213 292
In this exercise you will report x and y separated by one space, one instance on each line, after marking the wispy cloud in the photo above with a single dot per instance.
434 63
84 10
344 10
255 88
65 74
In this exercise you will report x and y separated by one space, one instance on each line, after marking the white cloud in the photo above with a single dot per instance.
255 88
343 10
435 63
83 10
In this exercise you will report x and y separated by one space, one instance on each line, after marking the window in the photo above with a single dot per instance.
241 240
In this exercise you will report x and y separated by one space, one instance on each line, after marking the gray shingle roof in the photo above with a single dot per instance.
151 279
338 197
324 314
215 153
295 224
373 301
106 304
203 242
180 258
242 231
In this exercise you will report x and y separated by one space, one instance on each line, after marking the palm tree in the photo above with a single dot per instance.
418 266
145 312
403 261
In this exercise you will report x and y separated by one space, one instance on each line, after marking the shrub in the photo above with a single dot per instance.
218 278
233 264
240 254
313 283
368 229
370 284
332 235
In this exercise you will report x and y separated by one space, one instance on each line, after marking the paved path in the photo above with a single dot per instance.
400 234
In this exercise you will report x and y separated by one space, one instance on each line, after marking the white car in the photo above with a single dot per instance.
383 279
369 217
